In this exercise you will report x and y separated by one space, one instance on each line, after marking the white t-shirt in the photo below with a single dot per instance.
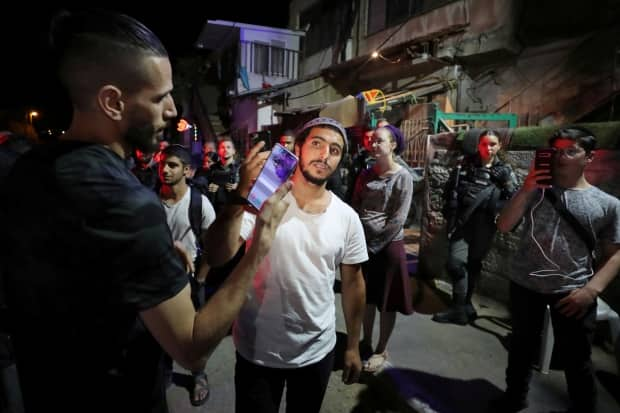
177 216
289 317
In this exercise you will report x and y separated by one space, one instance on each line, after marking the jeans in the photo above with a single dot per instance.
573 346
259 389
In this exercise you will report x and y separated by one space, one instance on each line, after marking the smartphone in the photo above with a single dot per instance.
276 170
264 136
542 160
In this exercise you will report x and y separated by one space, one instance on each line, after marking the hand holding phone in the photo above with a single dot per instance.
542 161
275 171
264 136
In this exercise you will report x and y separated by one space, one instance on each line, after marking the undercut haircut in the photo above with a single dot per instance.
95 48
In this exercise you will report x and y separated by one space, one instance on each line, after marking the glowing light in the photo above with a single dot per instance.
32 114
183 125
374 54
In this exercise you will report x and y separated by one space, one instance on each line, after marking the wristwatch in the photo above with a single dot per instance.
236 199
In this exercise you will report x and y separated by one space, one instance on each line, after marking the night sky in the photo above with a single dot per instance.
27 80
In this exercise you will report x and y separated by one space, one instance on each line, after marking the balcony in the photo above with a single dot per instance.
269 60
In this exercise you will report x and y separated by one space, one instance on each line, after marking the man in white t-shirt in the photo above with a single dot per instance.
176 196
286 331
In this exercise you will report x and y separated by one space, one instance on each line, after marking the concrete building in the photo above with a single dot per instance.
537 64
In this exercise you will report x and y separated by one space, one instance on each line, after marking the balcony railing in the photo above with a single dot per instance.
269 60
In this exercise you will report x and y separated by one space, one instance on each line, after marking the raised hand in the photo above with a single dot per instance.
269 218
250 167
531 180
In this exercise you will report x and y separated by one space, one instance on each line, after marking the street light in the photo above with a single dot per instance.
32 114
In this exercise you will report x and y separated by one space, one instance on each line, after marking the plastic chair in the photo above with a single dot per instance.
603 313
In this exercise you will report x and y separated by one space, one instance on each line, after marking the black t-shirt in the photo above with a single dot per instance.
87 248
222 175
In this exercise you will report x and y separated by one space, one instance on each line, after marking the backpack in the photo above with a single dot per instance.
195 219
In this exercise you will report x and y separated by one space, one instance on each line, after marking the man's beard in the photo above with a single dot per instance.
312 179
142 138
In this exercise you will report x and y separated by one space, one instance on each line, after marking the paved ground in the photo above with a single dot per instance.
453 368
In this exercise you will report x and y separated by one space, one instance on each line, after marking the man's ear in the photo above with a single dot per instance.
590 156
110 101
187 171
297 148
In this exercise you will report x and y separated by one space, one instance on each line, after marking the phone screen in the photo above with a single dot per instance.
542 160
277 169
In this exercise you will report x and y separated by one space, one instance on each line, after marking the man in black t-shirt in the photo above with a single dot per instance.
224 175
95 286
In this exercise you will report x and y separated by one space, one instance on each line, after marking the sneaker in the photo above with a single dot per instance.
453 315
376 362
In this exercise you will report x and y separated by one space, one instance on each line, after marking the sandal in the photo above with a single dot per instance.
375 362
199 393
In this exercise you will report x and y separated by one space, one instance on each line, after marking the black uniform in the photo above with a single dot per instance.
476 195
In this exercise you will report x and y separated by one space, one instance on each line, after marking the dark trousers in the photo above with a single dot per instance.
468 247
259 389
464 266
573 346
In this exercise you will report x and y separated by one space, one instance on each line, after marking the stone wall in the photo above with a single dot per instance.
443 150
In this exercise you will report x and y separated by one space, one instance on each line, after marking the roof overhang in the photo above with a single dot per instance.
365 72
413 58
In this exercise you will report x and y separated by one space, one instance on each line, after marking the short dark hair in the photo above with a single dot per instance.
180 152
584 137
94 48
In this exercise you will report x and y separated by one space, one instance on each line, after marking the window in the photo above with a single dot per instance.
260 59
268 59
277 58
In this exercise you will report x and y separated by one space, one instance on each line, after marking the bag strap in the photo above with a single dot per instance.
582 232
482 196
195 213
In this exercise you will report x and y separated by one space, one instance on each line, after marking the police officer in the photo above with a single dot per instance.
477 189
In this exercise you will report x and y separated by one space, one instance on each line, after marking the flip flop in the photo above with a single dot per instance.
375 362
200 392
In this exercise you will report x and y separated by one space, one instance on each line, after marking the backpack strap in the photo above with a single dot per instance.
585 235
482 196
195 214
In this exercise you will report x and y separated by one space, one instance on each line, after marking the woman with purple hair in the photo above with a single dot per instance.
382 198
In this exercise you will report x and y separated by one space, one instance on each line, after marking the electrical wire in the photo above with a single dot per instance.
556 272
309 93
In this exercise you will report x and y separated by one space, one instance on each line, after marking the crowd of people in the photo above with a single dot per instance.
108 285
